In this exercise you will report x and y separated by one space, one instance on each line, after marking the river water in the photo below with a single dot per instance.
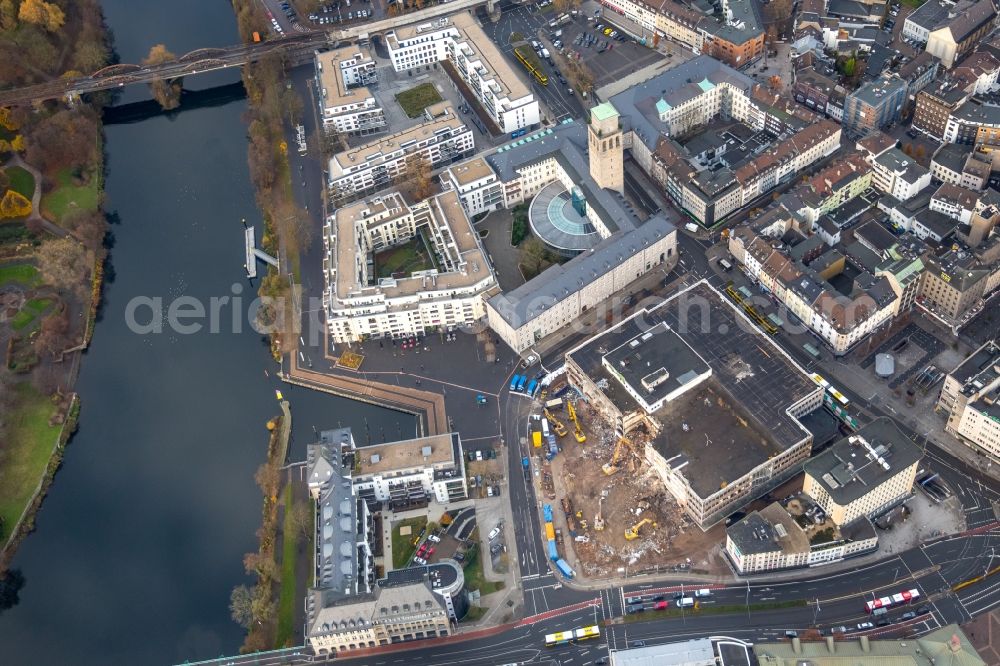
141 537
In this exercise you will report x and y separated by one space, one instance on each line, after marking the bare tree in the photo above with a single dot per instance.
165 91
64 263
241 606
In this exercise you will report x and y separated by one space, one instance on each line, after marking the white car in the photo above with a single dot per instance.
494 533
865 625
435 538
419 560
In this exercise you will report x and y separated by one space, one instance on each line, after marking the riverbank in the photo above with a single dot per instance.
52 255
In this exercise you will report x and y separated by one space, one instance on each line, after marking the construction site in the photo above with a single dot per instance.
611 514
655 435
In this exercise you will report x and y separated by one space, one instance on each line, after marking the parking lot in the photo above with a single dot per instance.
608 58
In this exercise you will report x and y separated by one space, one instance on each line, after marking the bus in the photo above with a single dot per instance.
521 382
584 633
819 380
898 599
532 386
513 382
840 397
534 68
558 638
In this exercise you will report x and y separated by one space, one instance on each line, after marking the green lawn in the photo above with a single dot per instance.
403 546
286 597
68 196
474 577
23 274
406 258
21 181
31 312
415 100
24 451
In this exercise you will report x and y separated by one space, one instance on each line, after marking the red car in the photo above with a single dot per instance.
661 605
422 550
430 551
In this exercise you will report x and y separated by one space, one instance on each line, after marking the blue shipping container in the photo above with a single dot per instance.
564 568
547 511
553 553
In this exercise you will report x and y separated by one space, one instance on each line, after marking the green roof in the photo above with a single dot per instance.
604 111
662 106
706 85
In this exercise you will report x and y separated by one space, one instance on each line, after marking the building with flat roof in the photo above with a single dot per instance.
874 106
448 289
412 472
959 278
772 539
380 164
478 187
474 60
696 652
946 646
970 396
696 381
346 104
864 474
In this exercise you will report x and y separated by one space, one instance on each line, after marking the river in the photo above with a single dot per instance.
141 537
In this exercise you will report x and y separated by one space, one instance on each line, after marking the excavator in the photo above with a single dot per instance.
632 533
556 424
577 430
611 467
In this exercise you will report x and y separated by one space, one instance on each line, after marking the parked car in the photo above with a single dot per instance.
435 538
494 533
865 625
419 560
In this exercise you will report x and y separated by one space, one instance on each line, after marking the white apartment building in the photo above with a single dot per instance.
346 104
896 173
970 395
449 292
864 474
771 540
478 187
383 162
412 472
485 72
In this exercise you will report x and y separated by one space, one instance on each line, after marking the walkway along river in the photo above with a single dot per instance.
142 535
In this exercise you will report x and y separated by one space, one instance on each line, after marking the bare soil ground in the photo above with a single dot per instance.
632 494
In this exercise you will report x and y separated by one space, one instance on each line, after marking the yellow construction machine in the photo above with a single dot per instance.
611 467
577 430
556 424
632 533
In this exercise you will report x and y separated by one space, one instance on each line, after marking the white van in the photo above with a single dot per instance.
685 602
703 593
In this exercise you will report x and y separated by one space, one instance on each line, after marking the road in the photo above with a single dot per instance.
522 19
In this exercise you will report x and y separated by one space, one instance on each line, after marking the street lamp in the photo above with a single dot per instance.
816 611
748 600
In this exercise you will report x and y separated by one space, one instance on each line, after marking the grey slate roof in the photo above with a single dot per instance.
637 105
559 282
568 145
